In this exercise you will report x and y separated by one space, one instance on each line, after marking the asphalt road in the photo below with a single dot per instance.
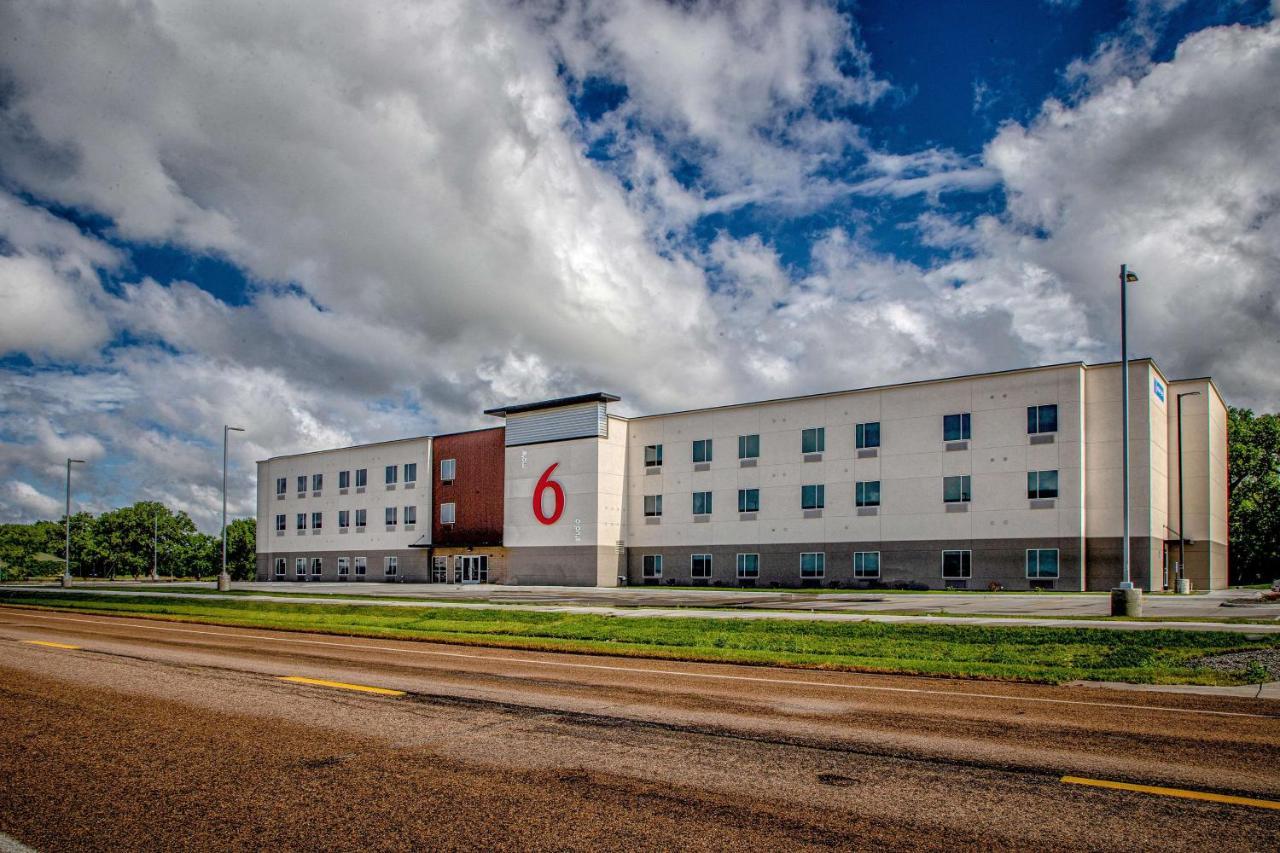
143 734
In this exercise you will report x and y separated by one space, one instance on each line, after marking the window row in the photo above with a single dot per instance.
957 427
1041 564
391 476
866 493
390 566
391 515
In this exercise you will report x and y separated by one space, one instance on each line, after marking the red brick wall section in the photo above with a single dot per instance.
476 491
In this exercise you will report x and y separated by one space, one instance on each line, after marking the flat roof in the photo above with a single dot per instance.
819 394
594 397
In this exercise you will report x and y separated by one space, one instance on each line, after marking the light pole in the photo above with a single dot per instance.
155 544
1182 535
66 574
1125 601
224 579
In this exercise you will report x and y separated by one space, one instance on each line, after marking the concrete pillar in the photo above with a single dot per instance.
224 582
1126 602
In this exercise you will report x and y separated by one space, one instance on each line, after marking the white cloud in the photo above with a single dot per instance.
23 500
408 188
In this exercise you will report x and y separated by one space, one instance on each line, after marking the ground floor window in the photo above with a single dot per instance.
440 566
344 566
1042 563
279 567
360 565
813 564
957 564
300 567
652 565
700 566
866 564
748 565
390 566
317 565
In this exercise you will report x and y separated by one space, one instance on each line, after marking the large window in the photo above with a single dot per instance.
317 566
411 515
448 470
282 485
1042 418
317 520
302 483
748 565
813 564
300 567
700 566
748 500
362 477
866 564
391 516
392 472
280 523
390 566
866 493
361 564
652 455
411 472
957 565
813 497
280 563
652 506
813 440
449 513
1042 563
361 517
1042 484
955 427
748 447
344 479
702 450
302 521
702 503
317 482
344 518
344 566
652 565
956 489
867 435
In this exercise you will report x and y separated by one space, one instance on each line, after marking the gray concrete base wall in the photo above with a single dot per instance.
414 566
1105 566
994 560
569 565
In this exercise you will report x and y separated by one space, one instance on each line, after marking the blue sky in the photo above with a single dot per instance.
228 213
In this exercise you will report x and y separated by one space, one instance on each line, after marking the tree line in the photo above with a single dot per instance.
144 540
1253 477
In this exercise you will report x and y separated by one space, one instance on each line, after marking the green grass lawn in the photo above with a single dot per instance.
1010 653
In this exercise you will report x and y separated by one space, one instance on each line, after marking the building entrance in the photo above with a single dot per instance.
472 569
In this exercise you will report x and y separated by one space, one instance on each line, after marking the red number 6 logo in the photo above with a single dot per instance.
557 493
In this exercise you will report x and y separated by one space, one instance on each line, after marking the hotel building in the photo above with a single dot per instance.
1011 479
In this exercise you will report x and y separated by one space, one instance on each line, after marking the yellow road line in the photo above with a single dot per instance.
341 685
49 644
1172 792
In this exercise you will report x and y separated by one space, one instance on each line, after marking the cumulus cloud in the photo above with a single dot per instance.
409 189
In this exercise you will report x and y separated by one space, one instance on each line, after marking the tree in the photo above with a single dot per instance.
1253 463
242 552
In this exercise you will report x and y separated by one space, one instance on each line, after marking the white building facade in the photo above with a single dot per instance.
1009 480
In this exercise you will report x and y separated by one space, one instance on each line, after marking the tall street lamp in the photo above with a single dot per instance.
1182 534
66 574
1125 601
224 579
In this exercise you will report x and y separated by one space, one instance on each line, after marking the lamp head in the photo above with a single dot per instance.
1130 277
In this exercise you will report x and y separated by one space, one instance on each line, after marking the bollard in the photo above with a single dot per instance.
1126 602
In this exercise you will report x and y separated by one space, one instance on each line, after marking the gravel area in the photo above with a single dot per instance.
1238 661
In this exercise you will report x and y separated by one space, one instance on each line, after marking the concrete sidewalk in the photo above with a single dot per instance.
686 612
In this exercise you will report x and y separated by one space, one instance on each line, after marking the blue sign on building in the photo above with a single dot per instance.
1158 387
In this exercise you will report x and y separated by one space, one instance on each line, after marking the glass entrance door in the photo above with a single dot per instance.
474 569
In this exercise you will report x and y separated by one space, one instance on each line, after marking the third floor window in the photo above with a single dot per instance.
867 435
1042 419
702 450
813 440
749 447
955 427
